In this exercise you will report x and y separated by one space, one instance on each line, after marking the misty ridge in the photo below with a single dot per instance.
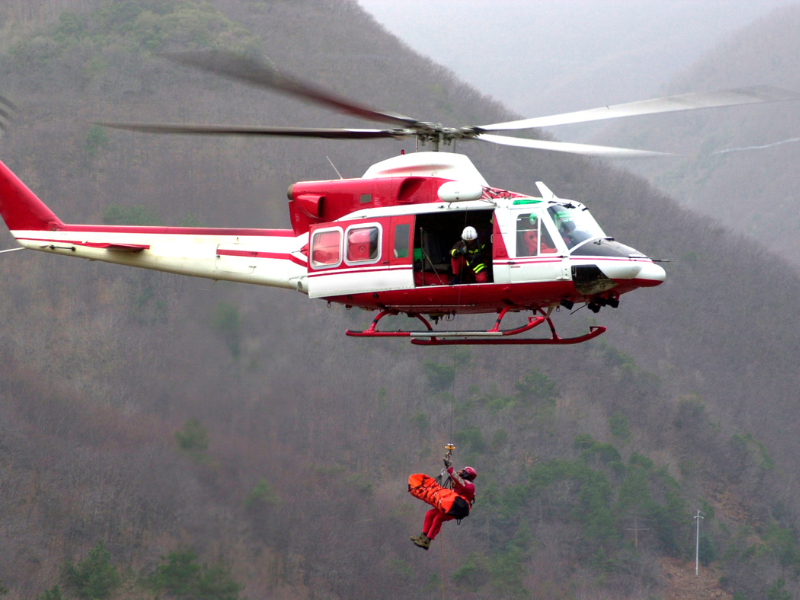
737 166
149 421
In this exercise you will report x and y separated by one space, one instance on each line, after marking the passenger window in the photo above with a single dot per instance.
401 235
545 241
527 234
326 249
533 238
363 244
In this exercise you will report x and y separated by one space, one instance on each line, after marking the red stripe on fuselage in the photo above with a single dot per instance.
106 245
479 298
523 261
470 298
339 270
272 255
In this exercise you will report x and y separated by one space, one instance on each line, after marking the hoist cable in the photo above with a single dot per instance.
453 393
462 270
441 547
461 274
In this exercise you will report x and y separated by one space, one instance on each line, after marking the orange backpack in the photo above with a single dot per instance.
445 501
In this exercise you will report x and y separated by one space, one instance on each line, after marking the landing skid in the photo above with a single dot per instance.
494 336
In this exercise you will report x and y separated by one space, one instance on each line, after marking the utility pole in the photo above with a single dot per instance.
636 529
697 517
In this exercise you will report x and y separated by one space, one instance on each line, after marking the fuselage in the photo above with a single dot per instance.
407 267
382 241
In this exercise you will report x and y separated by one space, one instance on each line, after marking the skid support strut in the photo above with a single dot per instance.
372 332
494 336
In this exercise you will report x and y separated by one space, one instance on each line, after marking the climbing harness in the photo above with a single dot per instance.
444 479
445 500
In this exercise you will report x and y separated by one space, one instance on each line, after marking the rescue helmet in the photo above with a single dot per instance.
559 216
533 218
468 473
469 234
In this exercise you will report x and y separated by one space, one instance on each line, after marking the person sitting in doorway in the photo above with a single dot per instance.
468 258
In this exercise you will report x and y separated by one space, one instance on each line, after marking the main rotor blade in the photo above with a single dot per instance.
259 74
7 108
314 132
8 103
583 149
748 95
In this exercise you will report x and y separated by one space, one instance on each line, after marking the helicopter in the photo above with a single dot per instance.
382 242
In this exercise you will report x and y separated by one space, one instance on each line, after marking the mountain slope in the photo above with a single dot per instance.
156 413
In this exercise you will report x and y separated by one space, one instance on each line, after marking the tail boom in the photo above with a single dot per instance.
271 257
263 257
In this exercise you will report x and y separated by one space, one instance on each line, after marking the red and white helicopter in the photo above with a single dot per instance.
382 242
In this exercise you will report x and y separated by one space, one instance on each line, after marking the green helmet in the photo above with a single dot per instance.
559 215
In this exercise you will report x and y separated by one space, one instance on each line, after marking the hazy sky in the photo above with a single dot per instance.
544 57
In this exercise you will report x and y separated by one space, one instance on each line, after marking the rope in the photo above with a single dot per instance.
441 547
455 322
452 402
453 387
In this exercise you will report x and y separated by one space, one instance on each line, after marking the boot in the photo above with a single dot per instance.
422 540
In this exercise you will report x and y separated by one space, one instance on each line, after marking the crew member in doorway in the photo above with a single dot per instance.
447 504
468 259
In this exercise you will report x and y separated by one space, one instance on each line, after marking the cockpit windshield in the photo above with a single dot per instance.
574 224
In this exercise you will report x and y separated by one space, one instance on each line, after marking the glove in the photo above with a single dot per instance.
447 463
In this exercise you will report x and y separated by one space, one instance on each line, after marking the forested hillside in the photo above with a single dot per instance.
738 165
161 436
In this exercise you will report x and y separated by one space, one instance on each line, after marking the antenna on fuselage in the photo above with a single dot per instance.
334 168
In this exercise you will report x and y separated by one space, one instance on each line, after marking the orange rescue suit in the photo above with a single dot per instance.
446 501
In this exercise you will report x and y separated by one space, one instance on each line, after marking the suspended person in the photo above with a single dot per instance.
447 504
468 258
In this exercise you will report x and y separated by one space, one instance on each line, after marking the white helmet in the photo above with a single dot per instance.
469 234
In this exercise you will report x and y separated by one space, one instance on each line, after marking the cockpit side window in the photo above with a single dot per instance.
574 224
533 238
546 244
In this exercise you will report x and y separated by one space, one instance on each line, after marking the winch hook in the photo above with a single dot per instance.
444 477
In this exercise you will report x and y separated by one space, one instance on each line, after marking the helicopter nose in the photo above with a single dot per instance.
621 270
646 274
651 275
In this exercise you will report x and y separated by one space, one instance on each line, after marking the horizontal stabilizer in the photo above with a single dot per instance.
118 247
20 208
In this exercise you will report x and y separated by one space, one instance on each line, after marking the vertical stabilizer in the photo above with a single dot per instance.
20 208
